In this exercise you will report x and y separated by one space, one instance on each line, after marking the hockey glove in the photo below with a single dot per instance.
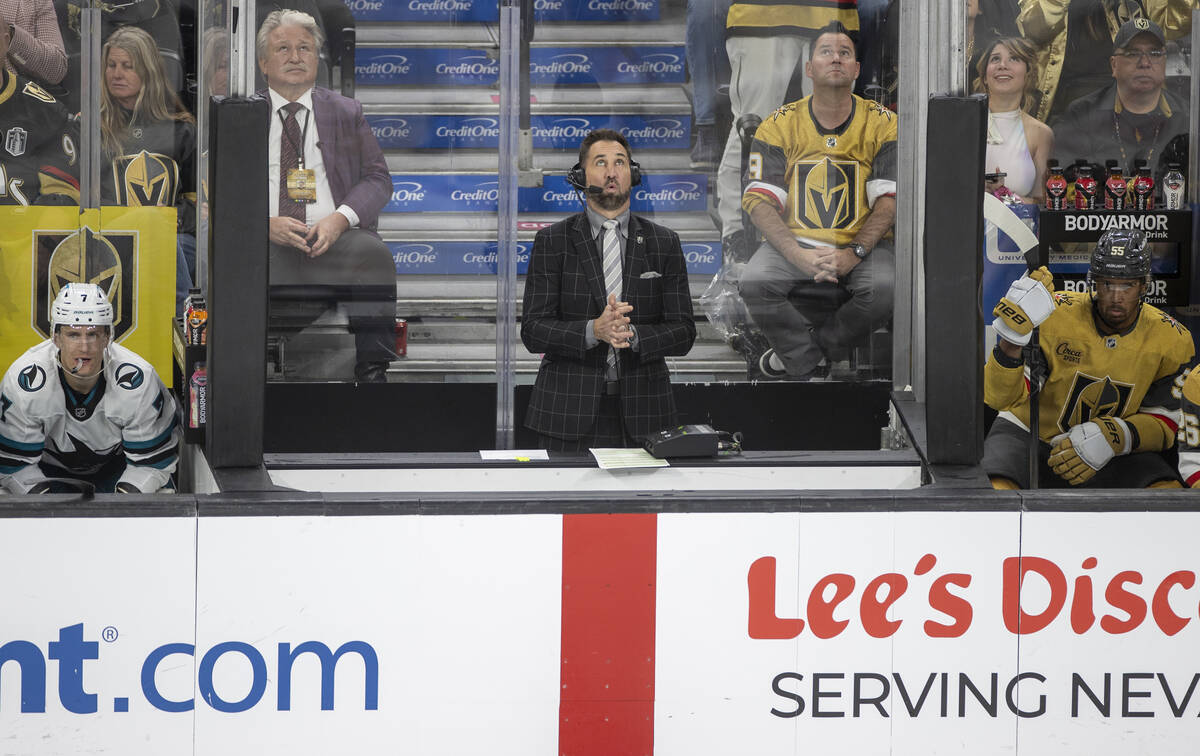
1077 456
1028 303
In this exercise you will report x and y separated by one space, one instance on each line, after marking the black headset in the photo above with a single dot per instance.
577 178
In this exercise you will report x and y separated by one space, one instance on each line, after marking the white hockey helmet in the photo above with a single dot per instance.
81 304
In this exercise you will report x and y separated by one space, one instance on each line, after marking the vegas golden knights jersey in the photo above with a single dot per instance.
156 168
38 145
1092 374
772 18
1189 431
824 182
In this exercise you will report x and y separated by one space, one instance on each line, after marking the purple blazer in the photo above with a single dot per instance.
358 174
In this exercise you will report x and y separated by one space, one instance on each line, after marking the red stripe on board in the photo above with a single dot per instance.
607 683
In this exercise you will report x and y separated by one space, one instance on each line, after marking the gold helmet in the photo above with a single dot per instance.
87 257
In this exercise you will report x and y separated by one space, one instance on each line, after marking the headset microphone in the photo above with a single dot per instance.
593 189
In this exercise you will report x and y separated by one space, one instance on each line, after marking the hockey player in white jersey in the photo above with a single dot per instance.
78 406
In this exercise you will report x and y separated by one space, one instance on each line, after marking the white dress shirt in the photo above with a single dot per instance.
313 211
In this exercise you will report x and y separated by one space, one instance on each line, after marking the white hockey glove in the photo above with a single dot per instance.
1028 303
28 480
1077 456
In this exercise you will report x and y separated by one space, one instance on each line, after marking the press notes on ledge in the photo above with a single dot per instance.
625 459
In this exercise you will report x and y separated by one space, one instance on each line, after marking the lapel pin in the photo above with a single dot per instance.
639 239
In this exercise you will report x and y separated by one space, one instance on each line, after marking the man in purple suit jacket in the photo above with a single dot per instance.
328 182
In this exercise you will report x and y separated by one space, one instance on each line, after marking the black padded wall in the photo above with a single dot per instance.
237 280
953 271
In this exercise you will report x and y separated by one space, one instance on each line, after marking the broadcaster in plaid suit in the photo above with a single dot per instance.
584 398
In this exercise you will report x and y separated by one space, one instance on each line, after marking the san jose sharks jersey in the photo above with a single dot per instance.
823 182
1092 374
38 144
46 426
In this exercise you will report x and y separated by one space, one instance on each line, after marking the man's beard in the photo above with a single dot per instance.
611 201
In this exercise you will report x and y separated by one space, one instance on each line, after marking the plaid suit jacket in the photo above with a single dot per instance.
564 289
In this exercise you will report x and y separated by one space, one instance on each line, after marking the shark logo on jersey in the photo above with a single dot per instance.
129 376
15 140
826 193
1091 397
146 179
31 378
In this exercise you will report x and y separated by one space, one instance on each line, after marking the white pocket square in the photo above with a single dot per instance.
651 274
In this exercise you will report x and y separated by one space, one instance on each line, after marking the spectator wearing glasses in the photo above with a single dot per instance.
1135 116
1072 35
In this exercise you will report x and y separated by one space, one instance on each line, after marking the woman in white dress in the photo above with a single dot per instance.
1018 144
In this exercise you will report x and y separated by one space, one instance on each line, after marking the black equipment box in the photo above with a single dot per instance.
683 441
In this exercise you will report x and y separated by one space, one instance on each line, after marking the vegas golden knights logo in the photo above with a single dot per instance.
1092 397
108 260
146 179
828 193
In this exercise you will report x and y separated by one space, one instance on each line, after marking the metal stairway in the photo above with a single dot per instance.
426 74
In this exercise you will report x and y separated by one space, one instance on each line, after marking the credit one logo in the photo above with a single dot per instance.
675 191
555 198
404 192
384 65
699 254
567 63
563 129
439 6
485 194
619 5
658 63
659 130
414 254
488 256
471 128
71 651
359 6
391 128
471 65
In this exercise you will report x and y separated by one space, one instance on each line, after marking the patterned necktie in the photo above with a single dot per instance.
289 158
612 276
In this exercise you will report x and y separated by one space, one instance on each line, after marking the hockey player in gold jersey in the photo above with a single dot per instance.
1110 398
1189 431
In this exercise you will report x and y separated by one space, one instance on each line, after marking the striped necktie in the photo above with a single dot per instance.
612 277
290 150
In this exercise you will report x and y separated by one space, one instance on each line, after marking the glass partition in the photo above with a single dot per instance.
709 96
1100 94
690 86
681 83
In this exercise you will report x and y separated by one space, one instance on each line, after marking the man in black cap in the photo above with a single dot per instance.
1132 119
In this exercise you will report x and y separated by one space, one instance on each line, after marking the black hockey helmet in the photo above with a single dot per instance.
1120 253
